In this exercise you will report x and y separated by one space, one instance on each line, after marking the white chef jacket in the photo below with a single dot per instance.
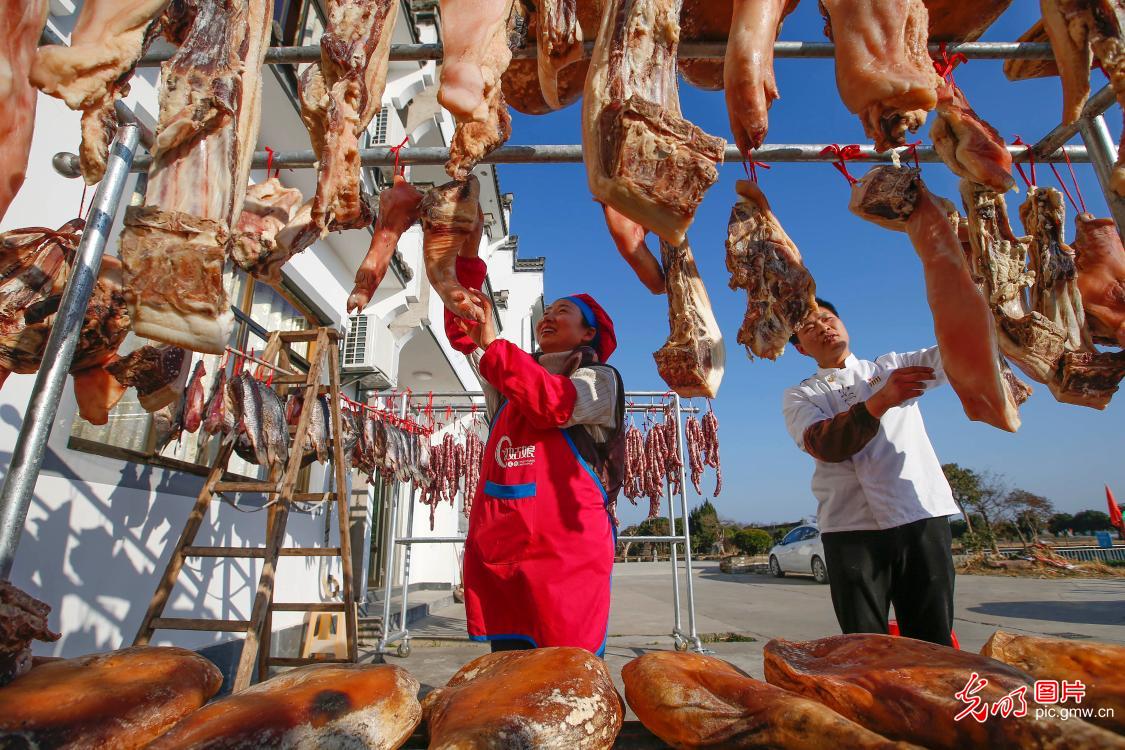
893 480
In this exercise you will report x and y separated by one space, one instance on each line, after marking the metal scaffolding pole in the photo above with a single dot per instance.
27 455
1103 153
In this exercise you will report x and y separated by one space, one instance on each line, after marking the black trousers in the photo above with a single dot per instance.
509 644
910 566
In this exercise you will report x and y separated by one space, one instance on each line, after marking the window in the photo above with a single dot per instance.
791 537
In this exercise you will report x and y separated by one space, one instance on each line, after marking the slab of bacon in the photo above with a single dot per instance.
1100 259
693 358
697 702
780 291
451 219
23 22
748 68
968 145
174 247
963 322
268 209
398 209
93 72
907 690
642 158
883 68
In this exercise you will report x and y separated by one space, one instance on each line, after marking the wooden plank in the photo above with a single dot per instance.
313 497
307 606
343 512
195 623
310 551
270 488
289 380
296 661
224 551
297 337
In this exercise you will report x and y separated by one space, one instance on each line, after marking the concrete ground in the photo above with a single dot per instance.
760 607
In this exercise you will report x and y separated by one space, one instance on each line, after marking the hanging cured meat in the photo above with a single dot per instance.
963 323
693 358
642 158
24 621
696 701
1022 70
92 73
119 699
268 209
174 247
1097 666
883 68
748 71
520 82
23 22
451 220
705 21
968 145
629 238
398 210
559 44
323 706
157 372
959 21
780 292
541 698
346 91
1100 259
907 689
475 36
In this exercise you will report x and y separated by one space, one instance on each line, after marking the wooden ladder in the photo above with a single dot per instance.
257 629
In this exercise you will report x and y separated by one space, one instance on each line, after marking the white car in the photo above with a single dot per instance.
801 551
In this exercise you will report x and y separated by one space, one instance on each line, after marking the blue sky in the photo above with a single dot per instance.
1063 452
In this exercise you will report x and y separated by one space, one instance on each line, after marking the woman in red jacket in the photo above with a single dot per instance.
541 540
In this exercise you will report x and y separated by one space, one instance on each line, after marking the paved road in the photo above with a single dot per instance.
761 607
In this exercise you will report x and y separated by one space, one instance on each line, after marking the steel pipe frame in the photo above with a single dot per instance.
697 50
1103 152
27 455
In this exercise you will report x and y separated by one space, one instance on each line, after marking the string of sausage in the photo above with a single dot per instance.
633 485
474 452
710 446
694 436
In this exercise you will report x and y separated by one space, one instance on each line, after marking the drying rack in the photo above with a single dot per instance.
31 444
683 640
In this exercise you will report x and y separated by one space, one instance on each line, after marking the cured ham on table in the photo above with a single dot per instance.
963 323
268 209
174 247
23 22
399 208
698 702
748 78
693 359
642 158
968 145
542 698
780 291
907 689
1100 259
883 68
451 219
92 73
475 39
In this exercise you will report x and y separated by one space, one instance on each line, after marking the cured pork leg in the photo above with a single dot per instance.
705 21
541 698
451 217
354 55
883 68
174 247
906 690
1100 259
93 72
780 292
960 21
24 621
268 209
97 392
158 374
559 44
475 42
398 210
1098 666
346 705
629 238
23 22
748 76
520 81
963 322
698 702
693 358
642 158
968 145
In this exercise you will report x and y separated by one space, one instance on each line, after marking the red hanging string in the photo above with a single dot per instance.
82 203
269 162
843 155
945 63
912 149
750 166
397 151
1074 179
1062 184
1017 141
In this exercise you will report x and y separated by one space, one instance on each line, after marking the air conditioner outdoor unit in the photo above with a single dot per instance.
369 356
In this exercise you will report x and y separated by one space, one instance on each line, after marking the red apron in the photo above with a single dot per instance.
540 547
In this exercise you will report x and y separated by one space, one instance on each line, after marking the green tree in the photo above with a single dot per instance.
1088 521
703 521
751 541
1060 522
1028 513
981 495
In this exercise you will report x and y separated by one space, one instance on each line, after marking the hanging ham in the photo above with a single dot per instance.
693 358
705 21
1100 258
23 22
269 208
451 219
748 68
398 210
968 145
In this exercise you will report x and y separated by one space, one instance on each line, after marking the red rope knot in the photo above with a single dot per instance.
945 63
843 154
397 151
750 166
270 154
912 150
1017 141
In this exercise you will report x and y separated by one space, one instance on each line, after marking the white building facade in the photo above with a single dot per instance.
109 507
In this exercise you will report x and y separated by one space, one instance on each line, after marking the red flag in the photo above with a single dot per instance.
1114 511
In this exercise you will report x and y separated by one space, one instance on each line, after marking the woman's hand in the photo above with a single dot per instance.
484 333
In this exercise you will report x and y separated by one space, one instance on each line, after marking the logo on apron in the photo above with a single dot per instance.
508 457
